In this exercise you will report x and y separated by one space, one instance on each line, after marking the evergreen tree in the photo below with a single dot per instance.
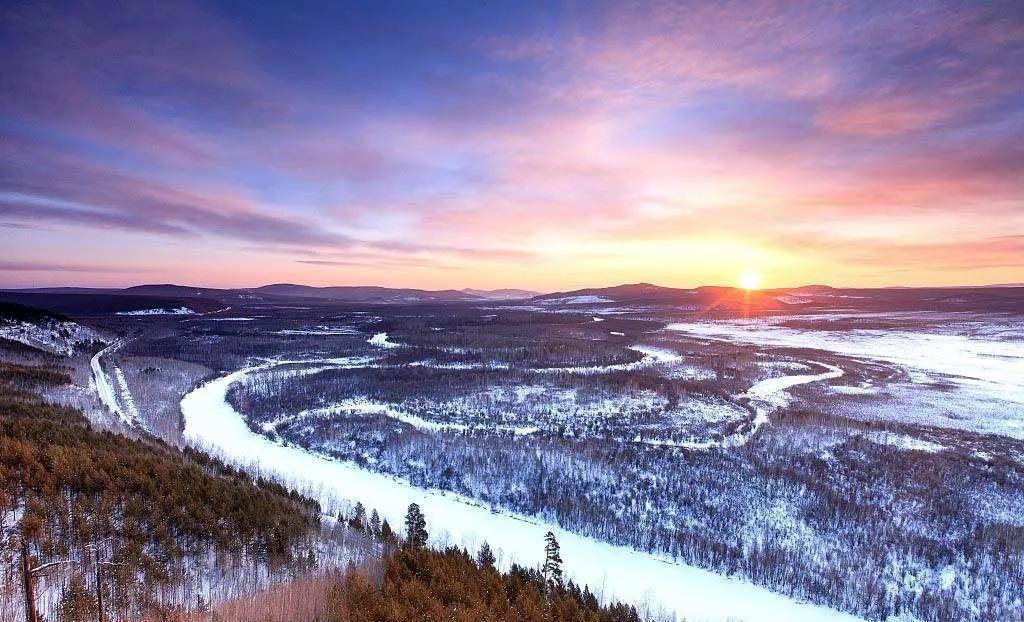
386 533
375 524
415 527
358 520
485 557
552 569
76 603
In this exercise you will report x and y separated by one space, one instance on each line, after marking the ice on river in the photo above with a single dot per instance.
211 423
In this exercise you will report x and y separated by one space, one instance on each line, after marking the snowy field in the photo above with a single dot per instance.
213 424
700 449
973 364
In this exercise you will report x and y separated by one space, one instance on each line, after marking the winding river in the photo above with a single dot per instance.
647 580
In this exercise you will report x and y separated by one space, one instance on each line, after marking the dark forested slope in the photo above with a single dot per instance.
104 520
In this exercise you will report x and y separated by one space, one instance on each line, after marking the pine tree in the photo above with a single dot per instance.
76 603
358 521
375 524
415 527
485 557
552 569
386 533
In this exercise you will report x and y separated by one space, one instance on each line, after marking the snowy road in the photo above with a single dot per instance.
105 388
211 423
114 393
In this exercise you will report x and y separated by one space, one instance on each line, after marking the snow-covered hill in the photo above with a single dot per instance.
52 333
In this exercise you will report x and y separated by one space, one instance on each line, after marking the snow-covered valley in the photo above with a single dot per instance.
213 424
714 459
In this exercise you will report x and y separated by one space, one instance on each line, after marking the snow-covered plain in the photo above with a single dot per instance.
980 357
211 423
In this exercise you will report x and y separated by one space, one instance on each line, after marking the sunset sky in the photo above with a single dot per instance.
547 146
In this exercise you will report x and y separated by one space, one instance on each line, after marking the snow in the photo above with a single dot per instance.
319 330
773 389
765 396
652 356
104 388
174 311
368 406
969 357
597 319
56 337
115 394
795 299
575 300
130 410
617 334
956 370
381 341
845 389
458 366
902 441
618 572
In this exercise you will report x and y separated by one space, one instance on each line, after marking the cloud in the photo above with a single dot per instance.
29 266
523 146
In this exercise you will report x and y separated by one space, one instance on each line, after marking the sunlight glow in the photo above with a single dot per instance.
750 280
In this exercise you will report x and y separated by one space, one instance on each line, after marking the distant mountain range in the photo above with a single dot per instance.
86 300
706 297
156 298
729 300
502 294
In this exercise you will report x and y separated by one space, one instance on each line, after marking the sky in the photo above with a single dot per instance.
547 146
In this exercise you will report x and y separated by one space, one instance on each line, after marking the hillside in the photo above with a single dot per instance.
448 585
356 293
502 294
707 298
105 303
50 332
136 521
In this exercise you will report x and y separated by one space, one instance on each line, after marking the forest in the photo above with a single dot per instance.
412 582
94 521
796 511
563 417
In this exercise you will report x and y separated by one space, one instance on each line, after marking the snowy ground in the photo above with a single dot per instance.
56 337
967 366
174 311
652 356
766 396
616 572
381 341
104 386
319 330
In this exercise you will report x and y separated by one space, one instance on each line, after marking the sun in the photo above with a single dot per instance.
750 280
